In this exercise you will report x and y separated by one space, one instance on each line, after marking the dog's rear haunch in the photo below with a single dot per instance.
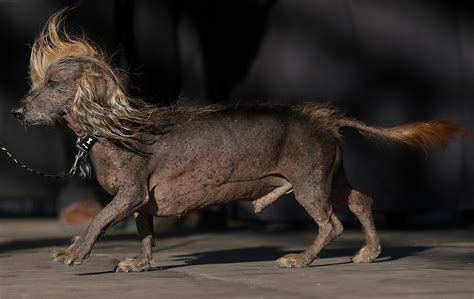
162 161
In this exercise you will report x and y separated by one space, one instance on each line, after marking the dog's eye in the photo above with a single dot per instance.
51 82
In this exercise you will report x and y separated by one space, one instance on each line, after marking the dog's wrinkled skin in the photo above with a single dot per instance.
207 156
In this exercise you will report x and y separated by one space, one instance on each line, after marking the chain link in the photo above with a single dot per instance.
54 176
79 156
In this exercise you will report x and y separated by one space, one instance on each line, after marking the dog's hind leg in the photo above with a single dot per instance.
314 195
361 205
329 228
144 261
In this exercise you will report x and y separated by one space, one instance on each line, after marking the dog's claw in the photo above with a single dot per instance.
366 255
64 256
67 256
292 260
138 264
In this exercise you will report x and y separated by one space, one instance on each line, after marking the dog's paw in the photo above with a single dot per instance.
367 254
71 255
292 260
138 264
65 256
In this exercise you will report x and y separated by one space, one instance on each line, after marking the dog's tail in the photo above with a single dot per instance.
419 135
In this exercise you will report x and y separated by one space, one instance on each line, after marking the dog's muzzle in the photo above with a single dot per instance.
18 112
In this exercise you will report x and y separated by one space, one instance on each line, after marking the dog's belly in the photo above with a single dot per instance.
176 199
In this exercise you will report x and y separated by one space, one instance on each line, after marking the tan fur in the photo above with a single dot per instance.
323 116
116 117
53 45
137 264
420 135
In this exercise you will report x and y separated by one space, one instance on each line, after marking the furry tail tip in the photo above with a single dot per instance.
429 135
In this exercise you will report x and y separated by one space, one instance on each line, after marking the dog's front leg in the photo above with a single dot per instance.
123 205
144 261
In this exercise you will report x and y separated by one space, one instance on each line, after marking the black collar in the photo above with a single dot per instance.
84 145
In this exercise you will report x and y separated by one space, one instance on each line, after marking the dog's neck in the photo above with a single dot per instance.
85 143
74 126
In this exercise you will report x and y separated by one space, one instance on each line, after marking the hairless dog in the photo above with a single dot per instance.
163 161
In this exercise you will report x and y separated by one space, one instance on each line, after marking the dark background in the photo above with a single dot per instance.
384 62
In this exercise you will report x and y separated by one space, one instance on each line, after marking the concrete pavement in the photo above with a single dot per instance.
237 263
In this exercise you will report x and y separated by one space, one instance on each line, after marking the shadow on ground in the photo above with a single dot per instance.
271 253
24 244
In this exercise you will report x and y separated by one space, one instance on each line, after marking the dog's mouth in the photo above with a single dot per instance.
33 122
40 120
60 122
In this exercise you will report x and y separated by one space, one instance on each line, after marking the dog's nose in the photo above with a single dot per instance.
18 112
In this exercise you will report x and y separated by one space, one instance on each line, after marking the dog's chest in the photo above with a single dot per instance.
114 168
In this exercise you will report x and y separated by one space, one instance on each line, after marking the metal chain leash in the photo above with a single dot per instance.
80 160
54 176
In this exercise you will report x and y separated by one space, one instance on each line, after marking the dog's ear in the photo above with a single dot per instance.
101 107
95 87
98 85
100 102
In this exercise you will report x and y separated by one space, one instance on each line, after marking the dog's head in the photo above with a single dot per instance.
73 83
65 73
